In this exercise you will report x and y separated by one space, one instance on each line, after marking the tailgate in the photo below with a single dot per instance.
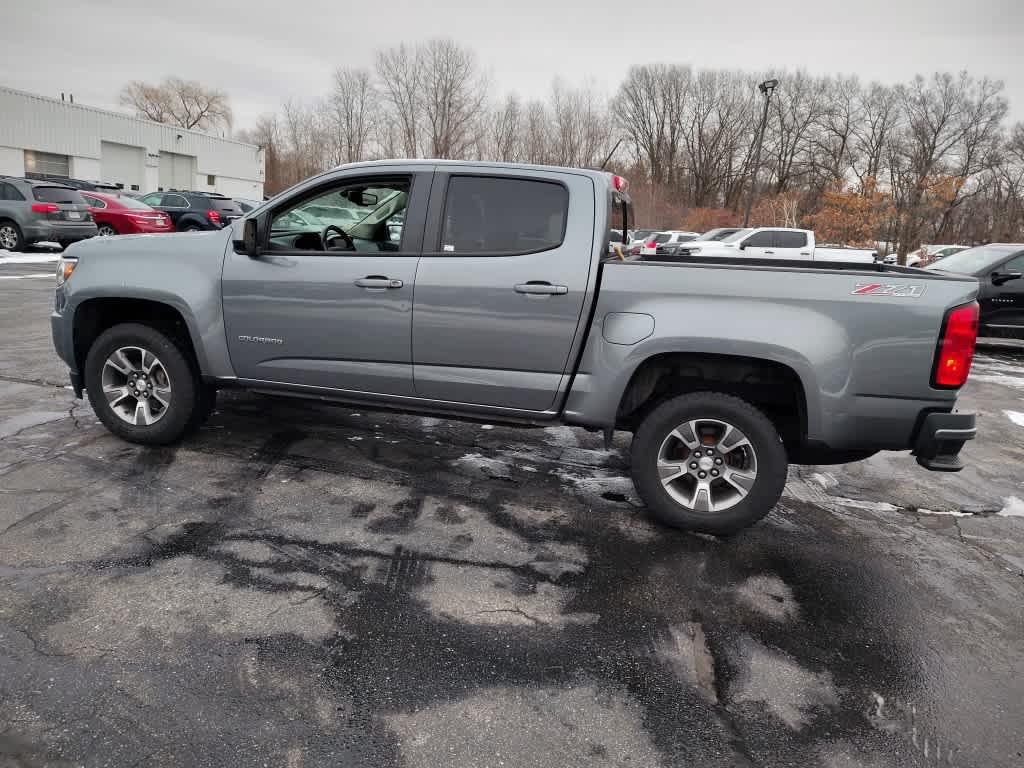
61 205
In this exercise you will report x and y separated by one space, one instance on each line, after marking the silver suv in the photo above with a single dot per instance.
41 211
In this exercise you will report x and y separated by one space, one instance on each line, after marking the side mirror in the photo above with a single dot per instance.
1005 277
250 239
743 246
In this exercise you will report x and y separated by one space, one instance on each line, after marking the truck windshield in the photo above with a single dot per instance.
973 260
738 235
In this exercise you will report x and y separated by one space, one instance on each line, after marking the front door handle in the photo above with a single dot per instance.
378 282
769 253
542 288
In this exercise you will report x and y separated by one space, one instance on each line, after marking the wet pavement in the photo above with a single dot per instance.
310 585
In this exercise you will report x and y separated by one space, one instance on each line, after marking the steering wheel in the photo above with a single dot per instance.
341 233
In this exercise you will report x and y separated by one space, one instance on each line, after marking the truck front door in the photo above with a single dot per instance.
501 285
1002 303
328 302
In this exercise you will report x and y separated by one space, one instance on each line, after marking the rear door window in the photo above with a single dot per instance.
659 239
174 201
9 192
60 195
153 199
503 215
94 202
790 239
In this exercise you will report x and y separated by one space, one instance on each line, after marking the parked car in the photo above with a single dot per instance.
79 184
650 246
247 204
675 241
615 239
999 268
117 215
718 234
722 376
637 238
935 253
41 211
194 211
772 243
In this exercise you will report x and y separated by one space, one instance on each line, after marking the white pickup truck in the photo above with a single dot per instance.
769 243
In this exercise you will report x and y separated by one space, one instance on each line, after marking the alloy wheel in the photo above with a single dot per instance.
8 237
707 465
136 386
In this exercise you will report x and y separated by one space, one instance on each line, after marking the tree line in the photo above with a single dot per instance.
932 160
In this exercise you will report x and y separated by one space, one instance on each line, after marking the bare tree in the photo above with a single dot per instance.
398 76
454 91
504 132
581 126
184 103
952 125
351 112
648 106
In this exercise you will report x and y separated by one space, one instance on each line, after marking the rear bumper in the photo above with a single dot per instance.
940 439
59 233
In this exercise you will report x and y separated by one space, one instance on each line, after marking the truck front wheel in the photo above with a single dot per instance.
708 462
141 385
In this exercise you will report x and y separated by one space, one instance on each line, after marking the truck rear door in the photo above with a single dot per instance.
501 285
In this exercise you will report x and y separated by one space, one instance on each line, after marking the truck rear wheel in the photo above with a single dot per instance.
708 462
141 385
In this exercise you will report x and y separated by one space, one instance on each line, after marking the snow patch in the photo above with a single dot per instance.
1016 417
870 506
825 479
1013 507
948 512
7 257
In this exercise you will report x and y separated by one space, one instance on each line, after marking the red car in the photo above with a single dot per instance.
123 215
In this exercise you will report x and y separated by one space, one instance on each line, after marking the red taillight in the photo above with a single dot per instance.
956 347
45 208
620 184
213 216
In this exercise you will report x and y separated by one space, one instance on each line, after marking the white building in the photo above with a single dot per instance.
50 136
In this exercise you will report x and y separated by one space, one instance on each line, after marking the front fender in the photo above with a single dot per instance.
182 271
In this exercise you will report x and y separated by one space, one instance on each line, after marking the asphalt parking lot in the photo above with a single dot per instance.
312 585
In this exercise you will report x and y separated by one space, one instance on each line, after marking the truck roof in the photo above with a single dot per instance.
604 175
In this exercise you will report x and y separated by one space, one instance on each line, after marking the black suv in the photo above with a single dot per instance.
194 211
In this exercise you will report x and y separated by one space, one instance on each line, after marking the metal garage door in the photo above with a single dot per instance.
177 171
121 164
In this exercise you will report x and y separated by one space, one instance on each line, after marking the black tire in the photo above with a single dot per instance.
770 457
185 401
191 228
105 230
11 229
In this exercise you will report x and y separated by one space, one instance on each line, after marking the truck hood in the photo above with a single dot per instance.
151 246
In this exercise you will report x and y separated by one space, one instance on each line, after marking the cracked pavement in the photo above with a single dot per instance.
312 585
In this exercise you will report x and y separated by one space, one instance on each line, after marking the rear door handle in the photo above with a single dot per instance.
542 288
378 282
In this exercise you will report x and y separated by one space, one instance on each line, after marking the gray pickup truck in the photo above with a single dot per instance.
485 291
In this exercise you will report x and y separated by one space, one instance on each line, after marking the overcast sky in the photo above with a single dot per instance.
262 53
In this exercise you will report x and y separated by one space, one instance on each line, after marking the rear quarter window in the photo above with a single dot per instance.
58 195
790 239
503 215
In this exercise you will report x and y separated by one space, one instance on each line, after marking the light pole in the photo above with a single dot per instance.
766 88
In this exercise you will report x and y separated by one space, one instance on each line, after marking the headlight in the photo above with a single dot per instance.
64 269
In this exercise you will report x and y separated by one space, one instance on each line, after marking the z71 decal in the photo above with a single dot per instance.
882 289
